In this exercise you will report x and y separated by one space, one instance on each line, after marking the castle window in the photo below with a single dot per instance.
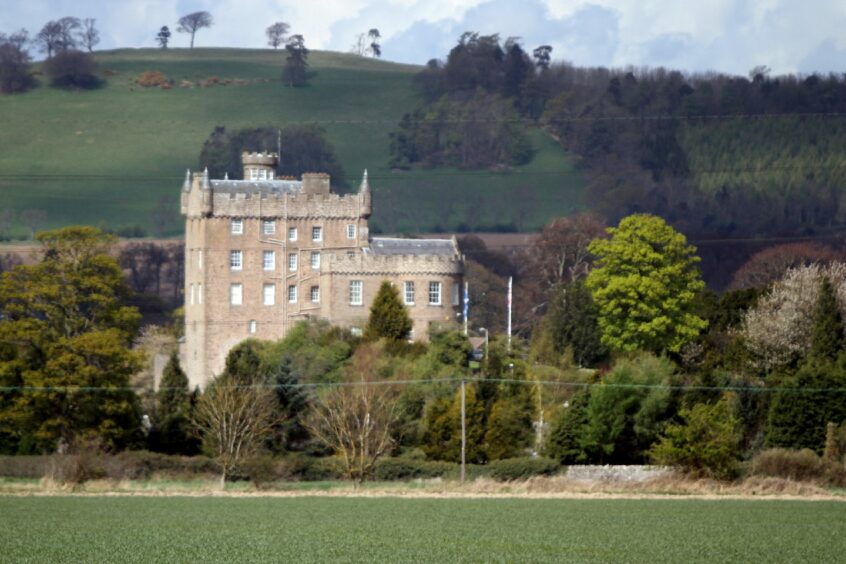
200 259
268 294
269 260
292 261
262 174
316 233
434 293
268 227
351 231
292 233
236 294
315 294
253 174
191 293
292 294
200 294
355 292
237 226
456 294
408 292
270 175
252 326
236 261
315 260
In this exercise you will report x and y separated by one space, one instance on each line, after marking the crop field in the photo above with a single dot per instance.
109 156
167 529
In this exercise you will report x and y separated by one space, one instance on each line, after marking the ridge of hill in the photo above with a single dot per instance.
111 156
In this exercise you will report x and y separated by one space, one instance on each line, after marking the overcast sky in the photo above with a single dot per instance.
725 35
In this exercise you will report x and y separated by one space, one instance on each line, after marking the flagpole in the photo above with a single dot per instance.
509 313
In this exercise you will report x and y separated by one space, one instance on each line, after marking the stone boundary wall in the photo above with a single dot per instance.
617 473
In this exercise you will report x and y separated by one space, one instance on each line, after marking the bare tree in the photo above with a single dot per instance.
276 34
33 219
360 45
233 419
194 22
58 35
356 419
89 36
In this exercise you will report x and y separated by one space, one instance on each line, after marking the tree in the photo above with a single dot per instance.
707 442
644 285
72 69
388 317
89 36
15 75
296 62
234 418
375 48
564 442
66 335
356 420
276 34
58 36
572 322
172 432
509 425
163 37
827 330
193 22
442 437
542 55
770 265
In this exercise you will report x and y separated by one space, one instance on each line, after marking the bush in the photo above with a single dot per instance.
72 69
522 468
23 466
153 79
800 465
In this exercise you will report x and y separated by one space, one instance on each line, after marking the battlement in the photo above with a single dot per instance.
388 265
264 158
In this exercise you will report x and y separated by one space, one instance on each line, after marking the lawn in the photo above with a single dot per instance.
107 157
151 529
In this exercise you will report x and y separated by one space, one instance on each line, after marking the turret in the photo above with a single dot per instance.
364 194
259 166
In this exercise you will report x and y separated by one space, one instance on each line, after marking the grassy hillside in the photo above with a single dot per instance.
107 157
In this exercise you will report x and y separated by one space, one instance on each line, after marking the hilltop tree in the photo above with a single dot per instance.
163 37
388 317
276 34
644 284
375 48
194 22
296 62
542 56
63 326
88 35
58 35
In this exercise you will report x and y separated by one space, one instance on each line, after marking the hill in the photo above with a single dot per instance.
111 156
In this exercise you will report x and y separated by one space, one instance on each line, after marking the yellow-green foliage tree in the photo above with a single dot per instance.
644 285
65 353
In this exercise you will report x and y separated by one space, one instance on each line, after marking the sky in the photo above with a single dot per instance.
731 36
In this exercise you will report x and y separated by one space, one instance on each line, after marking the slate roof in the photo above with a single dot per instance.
396 246
256 186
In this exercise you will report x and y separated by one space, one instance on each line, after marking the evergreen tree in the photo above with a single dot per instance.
173 394
443 428
296 63
566 429
509 426
388 317
172 433
291 405
243 364
573 322
827 331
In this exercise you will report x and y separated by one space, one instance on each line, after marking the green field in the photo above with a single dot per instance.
146 529
108 156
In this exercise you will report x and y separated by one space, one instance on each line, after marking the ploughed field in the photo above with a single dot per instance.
232 529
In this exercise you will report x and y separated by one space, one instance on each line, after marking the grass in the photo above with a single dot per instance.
106 157
147 529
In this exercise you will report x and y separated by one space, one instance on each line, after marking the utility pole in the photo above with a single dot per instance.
463 435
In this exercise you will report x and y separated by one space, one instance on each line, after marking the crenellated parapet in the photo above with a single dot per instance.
393 265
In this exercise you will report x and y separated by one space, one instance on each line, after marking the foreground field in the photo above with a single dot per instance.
135 529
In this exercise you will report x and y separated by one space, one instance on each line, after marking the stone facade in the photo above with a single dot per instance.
264 253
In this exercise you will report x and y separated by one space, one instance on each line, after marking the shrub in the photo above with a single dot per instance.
72 69
800 465
153 79
707 443
521 468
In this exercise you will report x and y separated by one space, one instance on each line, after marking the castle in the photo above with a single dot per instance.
263 253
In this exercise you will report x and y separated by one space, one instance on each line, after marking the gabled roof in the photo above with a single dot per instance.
397 246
